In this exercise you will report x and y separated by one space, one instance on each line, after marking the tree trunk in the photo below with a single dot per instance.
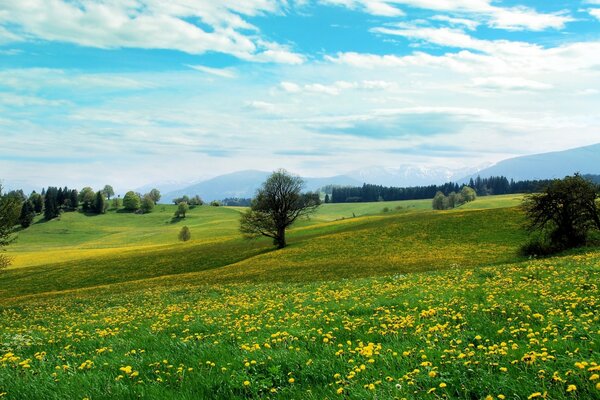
280 239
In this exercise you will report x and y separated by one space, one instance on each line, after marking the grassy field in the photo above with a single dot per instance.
408 303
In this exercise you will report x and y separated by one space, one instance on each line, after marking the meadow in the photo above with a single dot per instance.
365 303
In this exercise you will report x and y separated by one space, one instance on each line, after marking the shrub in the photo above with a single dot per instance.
184 234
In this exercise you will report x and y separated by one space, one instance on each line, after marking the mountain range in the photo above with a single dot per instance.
243 184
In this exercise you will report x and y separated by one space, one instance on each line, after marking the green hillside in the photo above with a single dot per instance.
405 303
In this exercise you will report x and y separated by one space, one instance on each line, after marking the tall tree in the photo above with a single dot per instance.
277 205
100 203
27 214
108 191
154 194
74 199
8 204
51 209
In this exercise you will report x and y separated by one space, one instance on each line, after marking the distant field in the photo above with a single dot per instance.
76 236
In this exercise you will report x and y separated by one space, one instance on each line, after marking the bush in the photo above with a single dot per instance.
185 234
131 201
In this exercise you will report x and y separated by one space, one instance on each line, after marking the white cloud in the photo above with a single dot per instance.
490 56
595 12
222 72
37 78
509 83
336 87
469 24
16 100
149 24
509 18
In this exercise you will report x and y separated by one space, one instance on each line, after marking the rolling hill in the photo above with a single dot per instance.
367 301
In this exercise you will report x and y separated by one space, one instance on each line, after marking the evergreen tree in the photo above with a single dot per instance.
326 198
74 197
100 203
27 214
60 198
51 209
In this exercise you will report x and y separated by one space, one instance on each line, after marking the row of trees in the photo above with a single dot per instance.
494 185
443 202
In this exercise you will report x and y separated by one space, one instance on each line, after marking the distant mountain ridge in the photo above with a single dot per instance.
558 164
243 184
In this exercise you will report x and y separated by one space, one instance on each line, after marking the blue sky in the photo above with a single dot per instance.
130 92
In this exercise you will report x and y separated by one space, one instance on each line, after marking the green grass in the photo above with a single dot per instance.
410 303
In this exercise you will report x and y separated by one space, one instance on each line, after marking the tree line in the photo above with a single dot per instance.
18 208
495 185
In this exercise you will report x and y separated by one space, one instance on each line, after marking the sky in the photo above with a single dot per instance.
130 92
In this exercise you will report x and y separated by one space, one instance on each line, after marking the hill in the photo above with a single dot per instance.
585 160
408 303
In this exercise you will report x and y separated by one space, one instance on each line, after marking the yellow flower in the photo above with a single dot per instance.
340 391
126 369
291 380
571 388
534 395
432 374
246 383
443 385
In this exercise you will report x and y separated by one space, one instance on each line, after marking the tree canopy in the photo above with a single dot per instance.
277 205
563 213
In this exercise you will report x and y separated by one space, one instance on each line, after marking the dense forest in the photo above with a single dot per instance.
494 185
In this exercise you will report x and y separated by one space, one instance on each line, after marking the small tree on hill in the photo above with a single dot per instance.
277 205
147 203
38 202
108 191
439 201
131 201
154 194
562 214
468 194
184 234
182 209
86 197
